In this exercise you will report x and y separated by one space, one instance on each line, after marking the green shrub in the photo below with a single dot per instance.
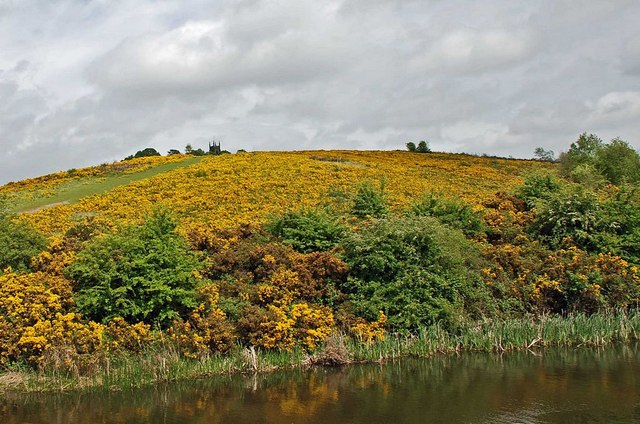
369 202
142 273
306 231
19 243
572 213
537 186
453 213
417 271
597 221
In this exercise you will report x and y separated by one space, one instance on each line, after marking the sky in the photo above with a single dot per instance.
87 82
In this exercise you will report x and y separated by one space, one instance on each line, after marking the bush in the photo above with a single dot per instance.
369 202
455 214
19 243
417 271
570 215
536 187
25 300
599 222
306 231
142 274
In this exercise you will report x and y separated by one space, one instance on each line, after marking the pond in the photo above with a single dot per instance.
553 386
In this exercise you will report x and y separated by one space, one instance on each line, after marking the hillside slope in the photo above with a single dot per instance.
231 189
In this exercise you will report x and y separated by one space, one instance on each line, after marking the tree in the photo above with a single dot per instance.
173 152
149 151
423 147
142 273
188 149
618 162
544 155
411 146
580 152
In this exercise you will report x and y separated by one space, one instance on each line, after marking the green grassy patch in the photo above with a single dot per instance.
73 191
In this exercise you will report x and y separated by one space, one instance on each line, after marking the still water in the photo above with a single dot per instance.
555 386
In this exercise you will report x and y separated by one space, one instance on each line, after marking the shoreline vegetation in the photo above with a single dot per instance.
162 363
237 264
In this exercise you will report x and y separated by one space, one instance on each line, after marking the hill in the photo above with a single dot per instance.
231 189
306 253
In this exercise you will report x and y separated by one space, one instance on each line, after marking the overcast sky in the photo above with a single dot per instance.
88 82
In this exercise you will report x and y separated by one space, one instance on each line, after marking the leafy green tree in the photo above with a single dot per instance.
544 155
581 151
411 146
142 273
423 147
618 162
173 152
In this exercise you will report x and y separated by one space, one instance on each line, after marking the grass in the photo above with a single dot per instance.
162 363
504 336
72 191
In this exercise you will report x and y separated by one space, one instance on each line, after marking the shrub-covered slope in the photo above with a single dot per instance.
280 250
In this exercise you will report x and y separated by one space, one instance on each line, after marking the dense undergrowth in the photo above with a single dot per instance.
431 274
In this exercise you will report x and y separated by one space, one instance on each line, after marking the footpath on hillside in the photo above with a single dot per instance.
73 191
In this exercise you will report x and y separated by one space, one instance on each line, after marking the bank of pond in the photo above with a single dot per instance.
161 362
553 385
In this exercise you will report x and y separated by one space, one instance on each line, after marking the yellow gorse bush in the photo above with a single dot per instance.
34 318
282 310
227 190
368 332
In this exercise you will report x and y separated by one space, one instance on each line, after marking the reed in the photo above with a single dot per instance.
509 335
162 363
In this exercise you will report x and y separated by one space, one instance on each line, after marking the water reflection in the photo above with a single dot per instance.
553 387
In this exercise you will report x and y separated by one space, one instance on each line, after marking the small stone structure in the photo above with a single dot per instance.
214 148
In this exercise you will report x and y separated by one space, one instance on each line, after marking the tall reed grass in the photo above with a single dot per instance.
162 363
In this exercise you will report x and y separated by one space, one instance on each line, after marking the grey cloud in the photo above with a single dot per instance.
96 81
